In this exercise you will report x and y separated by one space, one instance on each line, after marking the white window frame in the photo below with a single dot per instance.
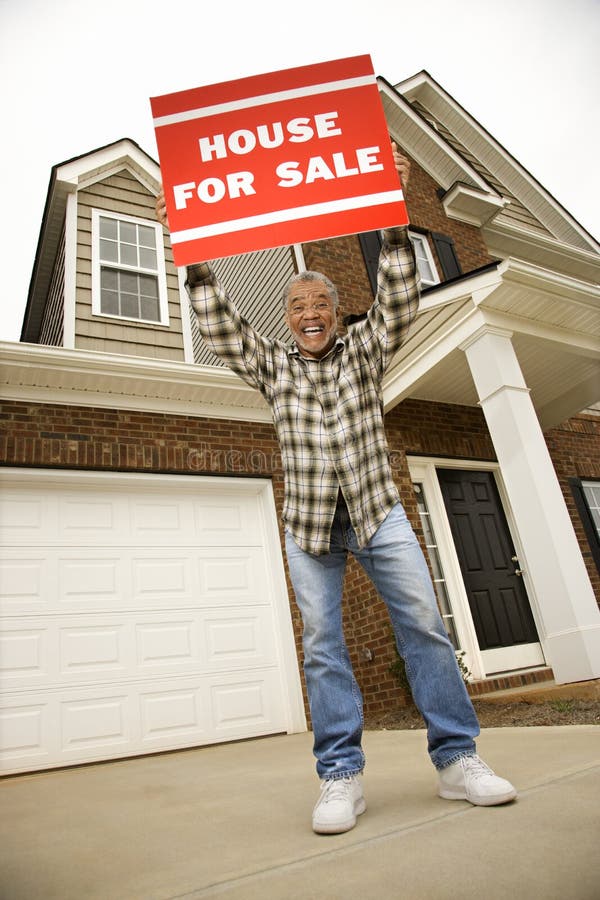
159 272
425 252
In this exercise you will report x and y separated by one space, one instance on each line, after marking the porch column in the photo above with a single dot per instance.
558 586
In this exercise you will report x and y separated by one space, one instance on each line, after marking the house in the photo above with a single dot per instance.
145 600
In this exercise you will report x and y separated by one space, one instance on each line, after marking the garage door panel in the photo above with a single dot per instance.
59 652
70 727
27 738
102 516
26 516
26 582
250 704
231 521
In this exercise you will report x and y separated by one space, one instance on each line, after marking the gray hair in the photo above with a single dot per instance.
311 276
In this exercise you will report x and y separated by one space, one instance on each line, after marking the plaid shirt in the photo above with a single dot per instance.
328 413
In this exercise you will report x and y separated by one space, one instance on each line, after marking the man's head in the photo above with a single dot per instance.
310 312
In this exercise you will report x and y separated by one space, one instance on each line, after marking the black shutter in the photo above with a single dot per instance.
370 244
591 532
446 252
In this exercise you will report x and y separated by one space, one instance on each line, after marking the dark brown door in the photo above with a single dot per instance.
497 595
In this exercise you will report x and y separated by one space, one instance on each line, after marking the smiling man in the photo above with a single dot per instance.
324 391
311 314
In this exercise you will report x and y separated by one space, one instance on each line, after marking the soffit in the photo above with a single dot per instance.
35 373
554 325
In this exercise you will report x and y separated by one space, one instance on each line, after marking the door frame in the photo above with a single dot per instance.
481 664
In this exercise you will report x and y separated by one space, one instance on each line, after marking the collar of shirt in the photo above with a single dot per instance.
294 350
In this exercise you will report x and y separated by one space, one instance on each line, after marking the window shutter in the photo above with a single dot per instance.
370 244
446 252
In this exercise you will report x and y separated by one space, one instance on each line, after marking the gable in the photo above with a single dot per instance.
529 208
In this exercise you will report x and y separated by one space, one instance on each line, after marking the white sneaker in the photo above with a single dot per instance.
341 801
470 779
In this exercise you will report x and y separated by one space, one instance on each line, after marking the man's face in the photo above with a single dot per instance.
311 318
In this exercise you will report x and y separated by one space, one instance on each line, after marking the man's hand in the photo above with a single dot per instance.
402 165
161 209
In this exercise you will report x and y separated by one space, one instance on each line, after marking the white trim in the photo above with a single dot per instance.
121 165
403 106
416 237
40 374
287 215
289 663
185 311
159 272
299 257
80 168
70 287
264 99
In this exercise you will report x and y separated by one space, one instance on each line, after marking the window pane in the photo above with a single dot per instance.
108 228
439 578
146 236
109 303
149 286
109 251
109 278
147 258
128 255
130 306
128 282
591 492
149 309
127 233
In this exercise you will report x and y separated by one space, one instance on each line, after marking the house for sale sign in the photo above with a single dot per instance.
282 158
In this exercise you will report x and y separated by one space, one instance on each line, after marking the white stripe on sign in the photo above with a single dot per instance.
263 99
286 215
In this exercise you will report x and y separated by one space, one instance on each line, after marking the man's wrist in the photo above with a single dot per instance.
397 236
197 274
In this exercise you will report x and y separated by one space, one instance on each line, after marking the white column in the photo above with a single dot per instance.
561 595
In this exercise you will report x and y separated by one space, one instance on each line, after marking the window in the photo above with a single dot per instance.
424 257
370 242
128 269
587 498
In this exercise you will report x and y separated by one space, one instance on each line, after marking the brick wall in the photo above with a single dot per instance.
575 450
95 438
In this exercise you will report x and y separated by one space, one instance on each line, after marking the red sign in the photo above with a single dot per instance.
292 156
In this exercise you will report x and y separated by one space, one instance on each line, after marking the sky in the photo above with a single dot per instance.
77 75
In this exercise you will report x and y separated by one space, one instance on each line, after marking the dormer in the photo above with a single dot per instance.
101 280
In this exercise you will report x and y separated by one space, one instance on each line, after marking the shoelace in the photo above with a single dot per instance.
476 768
335 789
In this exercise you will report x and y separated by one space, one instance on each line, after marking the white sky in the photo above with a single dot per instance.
76 75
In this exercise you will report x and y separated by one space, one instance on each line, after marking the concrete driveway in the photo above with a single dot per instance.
233 821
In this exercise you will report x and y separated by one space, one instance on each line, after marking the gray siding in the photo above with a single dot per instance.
121 193
51 331
255 282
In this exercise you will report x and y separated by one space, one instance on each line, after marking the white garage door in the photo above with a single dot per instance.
139 613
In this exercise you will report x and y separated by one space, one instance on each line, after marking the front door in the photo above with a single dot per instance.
492 576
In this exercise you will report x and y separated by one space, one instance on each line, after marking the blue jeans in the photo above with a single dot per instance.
394 562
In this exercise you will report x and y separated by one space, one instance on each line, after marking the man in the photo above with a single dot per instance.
325 395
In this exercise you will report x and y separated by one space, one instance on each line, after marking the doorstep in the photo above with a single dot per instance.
542 692
515 681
